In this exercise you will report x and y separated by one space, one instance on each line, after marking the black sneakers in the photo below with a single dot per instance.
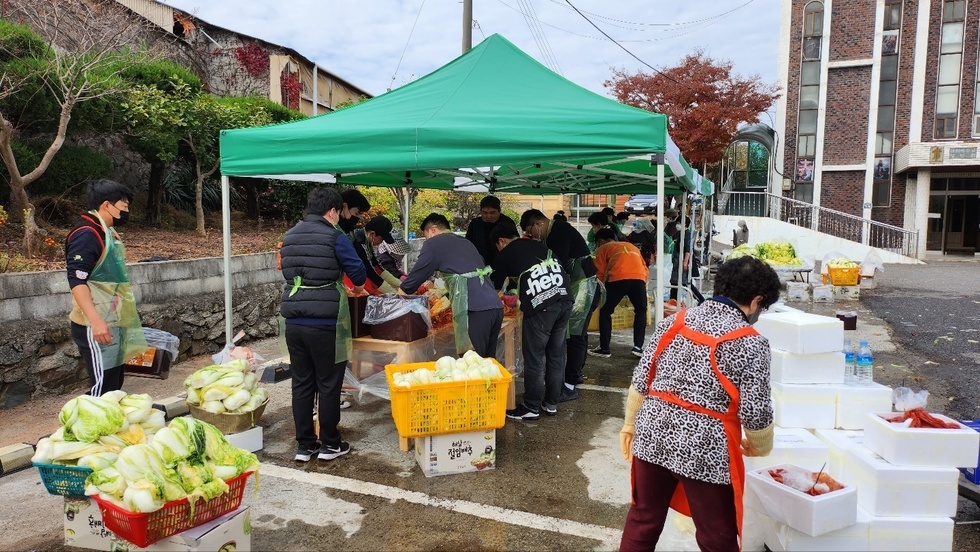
637 352
568 395
599 352
329 453
304 454
550 410
522 413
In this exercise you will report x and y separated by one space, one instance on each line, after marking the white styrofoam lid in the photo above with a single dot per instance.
798 318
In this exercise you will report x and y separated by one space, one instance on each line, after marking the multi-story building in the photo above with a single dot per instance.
880 116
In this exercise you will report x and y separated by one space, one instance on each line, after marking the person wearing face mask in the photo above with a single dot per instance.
702 380
104 324
316 255
478 231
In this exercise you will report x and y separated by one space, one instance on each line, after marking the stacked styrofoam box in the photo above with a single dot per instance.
838 441
855 401
812 515
792 446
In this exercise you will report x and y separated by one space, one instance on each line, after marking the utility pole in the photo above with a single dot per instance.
467 25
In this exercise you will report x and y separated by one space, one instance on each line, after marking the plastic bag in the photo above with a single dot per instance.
162 341
905 399
872 262
233 352
387 307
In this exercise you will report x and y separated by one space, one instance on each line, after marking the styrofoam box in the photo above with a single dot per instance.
456 452
789 367
856 400
783 538
797 291
837 441
847 293
800 332
885 489
755 527
792 445
806 406
910 533
84 529
904 446
250 439
823 293
813 515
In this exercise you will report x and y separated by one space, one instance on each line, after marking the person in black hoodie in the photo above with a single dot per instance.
546 302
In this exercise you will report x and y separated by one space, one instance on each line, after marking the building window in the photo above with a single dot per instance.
882 187
806 131
976 103
893 14
950 61
813 19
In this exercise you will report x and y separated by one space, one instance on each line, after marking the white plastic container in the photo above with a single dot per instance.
800 332
792 445
904 446
789 367
783 538
837 441
854 402
885 489
812 515
806 406
910 533
797 292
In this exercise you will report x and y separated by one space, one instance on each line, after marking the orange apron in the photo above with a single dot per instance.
729 419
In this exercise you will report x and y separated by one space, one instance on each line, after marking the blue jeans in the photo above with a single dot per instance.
543 344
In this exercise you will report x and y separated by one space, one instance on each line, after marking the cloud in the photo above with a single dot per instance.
362 42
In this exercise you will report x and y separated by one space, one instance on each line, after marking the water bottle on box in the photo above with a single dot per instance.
850 362
865 364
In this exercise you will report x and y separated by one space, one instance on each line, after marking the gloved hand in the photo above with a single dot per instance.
391 278
633 402
385 287
757 442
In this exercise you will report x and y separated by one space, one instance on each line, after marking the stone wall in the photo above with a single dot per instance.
185 298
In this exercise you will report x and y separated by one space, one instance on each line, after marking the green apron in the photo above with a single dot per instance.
458 288
113 297
343 344
583 290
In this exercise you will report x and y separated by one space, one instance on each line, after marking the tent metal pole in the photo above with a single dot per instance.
659 299
408 209
226 239
685 222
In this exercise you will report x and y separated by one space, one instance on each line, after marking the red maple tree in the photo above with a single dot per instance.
704 103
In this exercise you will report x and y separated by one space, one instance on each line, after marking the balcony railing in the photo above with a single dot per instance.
820 219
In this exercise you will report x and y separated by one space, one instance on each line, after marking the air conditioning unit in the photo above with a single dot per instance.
976 124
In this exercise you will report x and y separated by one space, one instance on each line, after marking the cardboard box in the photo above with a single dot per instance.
457 452
153 363
794 446
823 293
783 538
911 533
812 515
790 367
847 293
84 529
837 441
854 401
806 406
887 490
797 292
904 446
800 332
250 440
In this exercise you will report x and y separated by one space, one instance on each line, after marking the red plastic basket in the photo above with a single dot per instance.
175 517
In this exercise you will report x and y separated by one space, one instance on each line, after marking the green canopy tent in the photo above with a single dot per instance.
493 119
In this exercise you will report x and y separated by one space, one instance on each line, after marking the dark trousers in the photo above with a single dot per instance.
317 377
577 347
675 277
484 329
636 290
100 379
712 509
543 346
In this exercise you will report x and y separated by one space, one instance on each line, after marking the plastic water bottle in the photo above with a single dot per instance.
865 364
850 362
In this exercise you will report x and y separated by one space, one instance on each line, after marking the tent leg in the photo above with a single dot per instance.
226 239
408 210
659 299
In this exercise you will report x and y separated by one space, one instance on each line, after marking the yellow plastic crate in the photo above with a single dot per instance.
449 406
844 276
622 317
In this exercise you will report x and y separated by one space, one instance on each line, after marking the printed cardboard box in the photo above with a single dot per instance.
457 452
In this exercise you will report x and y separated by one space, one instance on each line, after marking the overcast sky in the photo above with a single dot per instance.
382 44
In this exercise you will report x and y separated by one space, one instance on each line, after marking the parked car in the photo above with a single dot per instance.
641 204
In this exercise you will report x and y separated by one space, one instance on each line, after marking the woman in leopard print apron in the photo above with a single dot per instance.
702 378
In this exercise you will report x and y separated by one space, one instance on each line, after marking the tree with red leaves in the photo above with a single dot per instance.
704 103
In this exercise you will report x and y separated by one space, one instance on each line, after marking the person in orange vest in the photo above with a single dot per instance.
703 378
621 268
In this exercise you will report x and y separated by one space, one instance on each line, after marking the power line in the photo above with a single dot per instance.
612 20
410 33
527 10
